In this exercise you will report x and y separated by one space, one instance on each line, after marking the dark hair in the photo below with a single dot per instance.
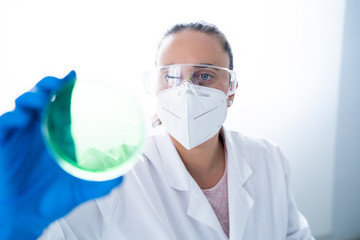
204 28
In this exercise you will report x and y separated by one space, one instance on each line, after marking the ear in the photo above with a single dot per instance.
230 99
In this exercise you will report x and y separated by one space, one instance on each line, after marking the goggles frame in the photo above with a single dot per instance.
149 84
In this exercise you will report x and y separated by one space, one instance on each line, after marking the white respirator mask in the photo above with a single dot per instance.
192 114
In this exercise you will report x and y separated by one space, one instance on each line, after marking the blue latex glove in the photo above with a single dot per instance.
34 190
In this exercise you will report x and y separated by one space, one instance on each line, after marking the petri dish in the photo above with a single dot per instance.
95 131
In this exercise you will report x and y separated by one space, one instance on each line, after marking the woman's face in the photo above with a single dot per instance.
193 47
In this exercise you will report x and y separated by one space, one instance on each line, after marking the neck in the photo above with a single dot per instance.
206 162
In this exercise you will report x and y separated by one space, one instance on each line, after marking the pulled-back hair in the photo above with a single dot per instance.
204 28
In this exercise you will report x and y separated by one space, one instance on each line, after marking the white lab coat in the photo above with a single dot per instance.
160 200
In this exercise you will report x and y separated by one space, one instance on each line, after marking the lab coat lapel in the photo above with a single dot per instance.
200 209
176 173
240 202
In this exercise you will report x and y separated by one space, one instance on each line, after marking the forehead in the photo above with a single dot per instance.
192 47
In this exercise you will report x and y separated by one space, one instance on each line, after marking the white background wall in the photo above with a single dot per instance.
346 213
287 56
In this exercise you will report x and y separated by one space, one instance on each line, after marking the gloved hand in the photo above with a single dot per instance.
34 190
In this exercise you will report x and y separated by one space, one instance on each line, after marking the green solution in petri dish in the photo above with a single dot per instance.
95 131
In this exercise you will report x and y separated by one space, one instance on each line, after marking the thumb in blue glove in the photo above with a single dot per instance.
34 190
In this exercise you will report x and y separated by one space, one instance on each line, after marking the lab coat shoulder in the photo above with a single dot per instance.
268 185
255 148
263 157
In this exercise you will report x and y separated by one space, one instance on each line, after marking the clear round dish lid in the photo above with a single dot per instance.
95 131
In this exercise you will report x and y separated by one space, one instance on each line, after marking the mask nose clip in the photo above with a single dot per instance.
187 87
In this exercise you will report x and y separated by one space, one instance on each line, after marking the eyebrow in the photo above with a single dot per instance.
209 64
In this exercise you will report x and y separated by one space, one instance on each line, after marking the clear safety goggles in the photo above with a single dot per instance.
171 76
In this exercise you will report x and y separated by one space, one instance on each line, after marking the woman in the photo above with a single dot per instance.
195 180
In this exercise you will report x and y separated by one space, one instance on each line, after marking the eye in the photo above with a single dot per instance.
204 76
171 78
172 81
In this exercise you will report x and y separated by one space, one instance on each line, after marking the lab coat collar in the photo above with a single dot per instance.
175 170
236 159
239 172
177 174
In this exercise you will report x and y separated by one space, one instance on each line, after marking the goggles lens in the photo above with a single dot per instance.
198 74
